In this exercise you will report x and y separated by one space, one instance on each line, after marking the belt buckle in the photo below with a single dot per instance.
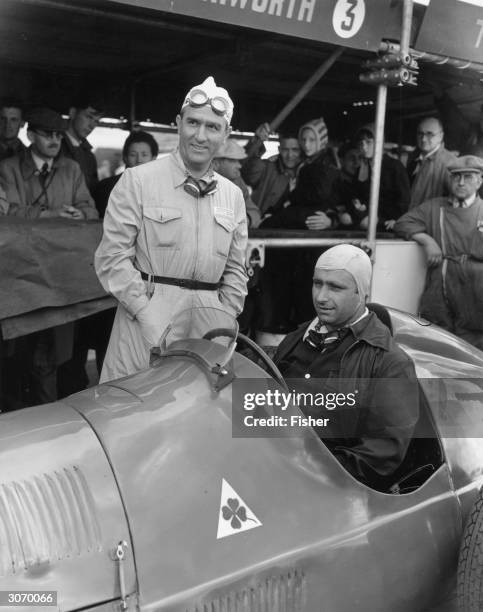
183 282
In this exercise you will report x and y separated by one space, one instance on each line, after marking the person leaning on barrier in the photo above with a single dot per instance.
272 179
175 235
428 166
346 191
394 194
346 341
41 183
311 200
450 229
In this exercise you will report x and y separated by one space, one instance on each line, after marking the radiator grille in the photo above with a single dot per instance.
46 518
284 593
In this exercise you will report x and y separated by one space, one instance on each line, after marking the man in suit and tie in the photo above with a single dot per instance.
38 182
345 346
428 168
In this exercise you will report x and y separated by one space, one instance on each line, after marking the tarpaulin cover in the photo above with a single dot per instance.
47 263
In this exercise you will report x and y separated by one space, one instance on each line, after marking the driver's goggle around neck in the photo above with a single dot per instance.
198 98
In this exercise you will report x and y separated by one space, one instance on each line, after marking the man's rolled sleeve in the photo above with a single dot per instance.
115 254
413 222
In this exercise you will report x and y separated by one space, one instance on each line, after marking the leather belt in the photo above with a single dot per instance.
184 283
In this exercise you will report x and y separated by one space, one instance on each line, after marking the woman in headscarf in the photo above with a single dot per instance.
310 201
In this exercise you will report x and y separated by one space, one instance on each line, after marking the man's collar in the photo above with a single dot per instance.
181 173
422 156
317 326
466 204
39 162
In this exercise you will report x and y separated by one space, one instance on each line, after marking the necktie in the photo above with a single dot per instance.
44 173
198 188
417 166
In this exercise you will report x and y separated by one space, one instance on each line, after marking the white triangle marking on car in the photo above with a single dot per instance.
234 514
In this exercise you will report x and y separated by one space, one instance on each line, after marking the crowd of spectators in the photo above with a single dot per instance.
312 184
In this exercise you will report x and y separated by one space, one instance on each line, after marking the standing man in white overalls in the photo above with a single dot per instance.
175 235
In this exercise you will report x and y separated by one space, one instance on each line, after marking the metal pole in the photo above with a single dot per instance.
433 58
406 26
376 165
304 90
379 135
305 242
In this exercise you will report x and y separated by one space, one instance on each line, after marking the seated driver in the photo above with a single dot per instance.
346 341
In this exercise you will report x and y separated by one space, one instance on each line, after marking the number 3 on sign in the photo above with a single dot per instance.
348 17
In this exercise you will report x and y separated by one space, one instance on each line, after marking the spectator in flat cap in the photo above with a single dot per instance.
227 162
175 235
450 229
40 183
84 114
11 120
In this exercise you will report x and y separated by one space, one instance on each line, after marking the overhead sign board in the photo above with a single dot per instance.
453 28
353 23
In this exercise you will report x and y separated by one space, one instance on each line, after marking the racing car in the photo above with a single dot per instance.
137 494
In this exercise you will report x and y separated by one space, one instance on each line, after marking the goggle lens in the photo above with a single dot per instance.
198 97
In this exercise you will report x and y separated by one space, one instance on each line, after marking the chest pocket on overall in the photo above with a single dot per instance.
162 225
223 233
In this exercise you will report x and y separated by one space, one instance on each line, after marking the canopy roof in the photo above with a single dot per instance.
123 50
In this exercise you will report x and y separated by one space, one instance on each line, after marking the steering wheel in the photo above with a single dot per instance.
261 354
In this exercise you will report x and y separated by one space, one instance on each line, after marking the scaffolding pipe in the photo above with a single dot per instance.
406 26
433 58
376 165
305 242
304 90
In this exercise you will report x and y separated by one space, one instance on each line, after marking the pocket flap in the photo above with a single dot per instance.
225 222
162 213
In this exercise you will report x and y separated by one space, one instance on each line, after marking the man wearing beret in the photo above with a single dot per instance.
450 229
38 182
175 235
347 349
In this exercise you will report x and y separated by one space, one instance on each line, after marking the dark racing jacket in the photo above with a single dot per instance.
371 439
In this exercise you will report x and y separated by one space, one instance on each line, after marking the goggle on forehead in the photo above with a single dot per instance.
198 97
